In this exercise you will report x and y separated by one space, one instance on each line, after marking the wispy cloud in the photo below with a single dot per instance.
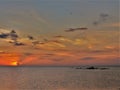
35 15
114 25
103 17
87 58
76 29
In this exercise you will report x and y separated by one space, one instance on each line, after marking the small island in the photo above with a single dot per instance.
91 68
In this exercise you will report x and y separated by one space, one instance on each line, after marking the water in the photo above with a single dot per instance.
58 78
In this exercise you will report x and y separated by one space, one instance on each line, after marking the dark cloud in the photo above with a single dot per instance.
48 55
95 23
75 29
35 42
100 51
27 53
87 58
13 35
45 39
102 18
19 44
4 35
58 36
16 43
55 41
30 37
97 51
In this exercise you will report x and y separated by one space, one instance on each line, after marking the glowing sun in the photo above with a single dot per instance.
14 63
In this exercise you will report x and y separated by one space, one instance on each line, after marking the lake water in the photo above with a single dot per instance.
58 78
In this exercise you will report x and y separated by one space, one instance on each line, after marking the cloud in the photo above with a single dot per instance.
24 56
13 35
54 45
66 40
4 35
57 59
19 44
103 17
16 43
114 25
8 58
76 29
87 58
2 51
36 16
30 37
4 30
58 36
97 51
35 42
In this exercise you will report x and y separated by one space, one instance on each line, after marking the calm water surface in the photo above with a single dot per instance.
58 78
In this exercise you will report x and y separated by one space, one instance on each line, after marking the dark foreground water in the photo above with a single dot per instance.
58 78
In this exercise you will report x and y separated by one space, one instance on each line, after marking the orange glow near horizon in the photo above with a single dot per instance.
9 59
14 63
63 58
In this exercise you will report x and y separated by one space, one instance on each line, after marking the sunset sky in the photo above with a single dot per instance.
59 32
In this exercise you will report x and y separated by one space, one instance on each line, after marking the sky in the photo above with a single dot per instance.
59 32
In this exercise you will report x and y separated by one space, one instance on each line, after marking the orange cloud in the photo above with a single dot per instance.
110 47
115 24
64 54
36 60
8 58
59 58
